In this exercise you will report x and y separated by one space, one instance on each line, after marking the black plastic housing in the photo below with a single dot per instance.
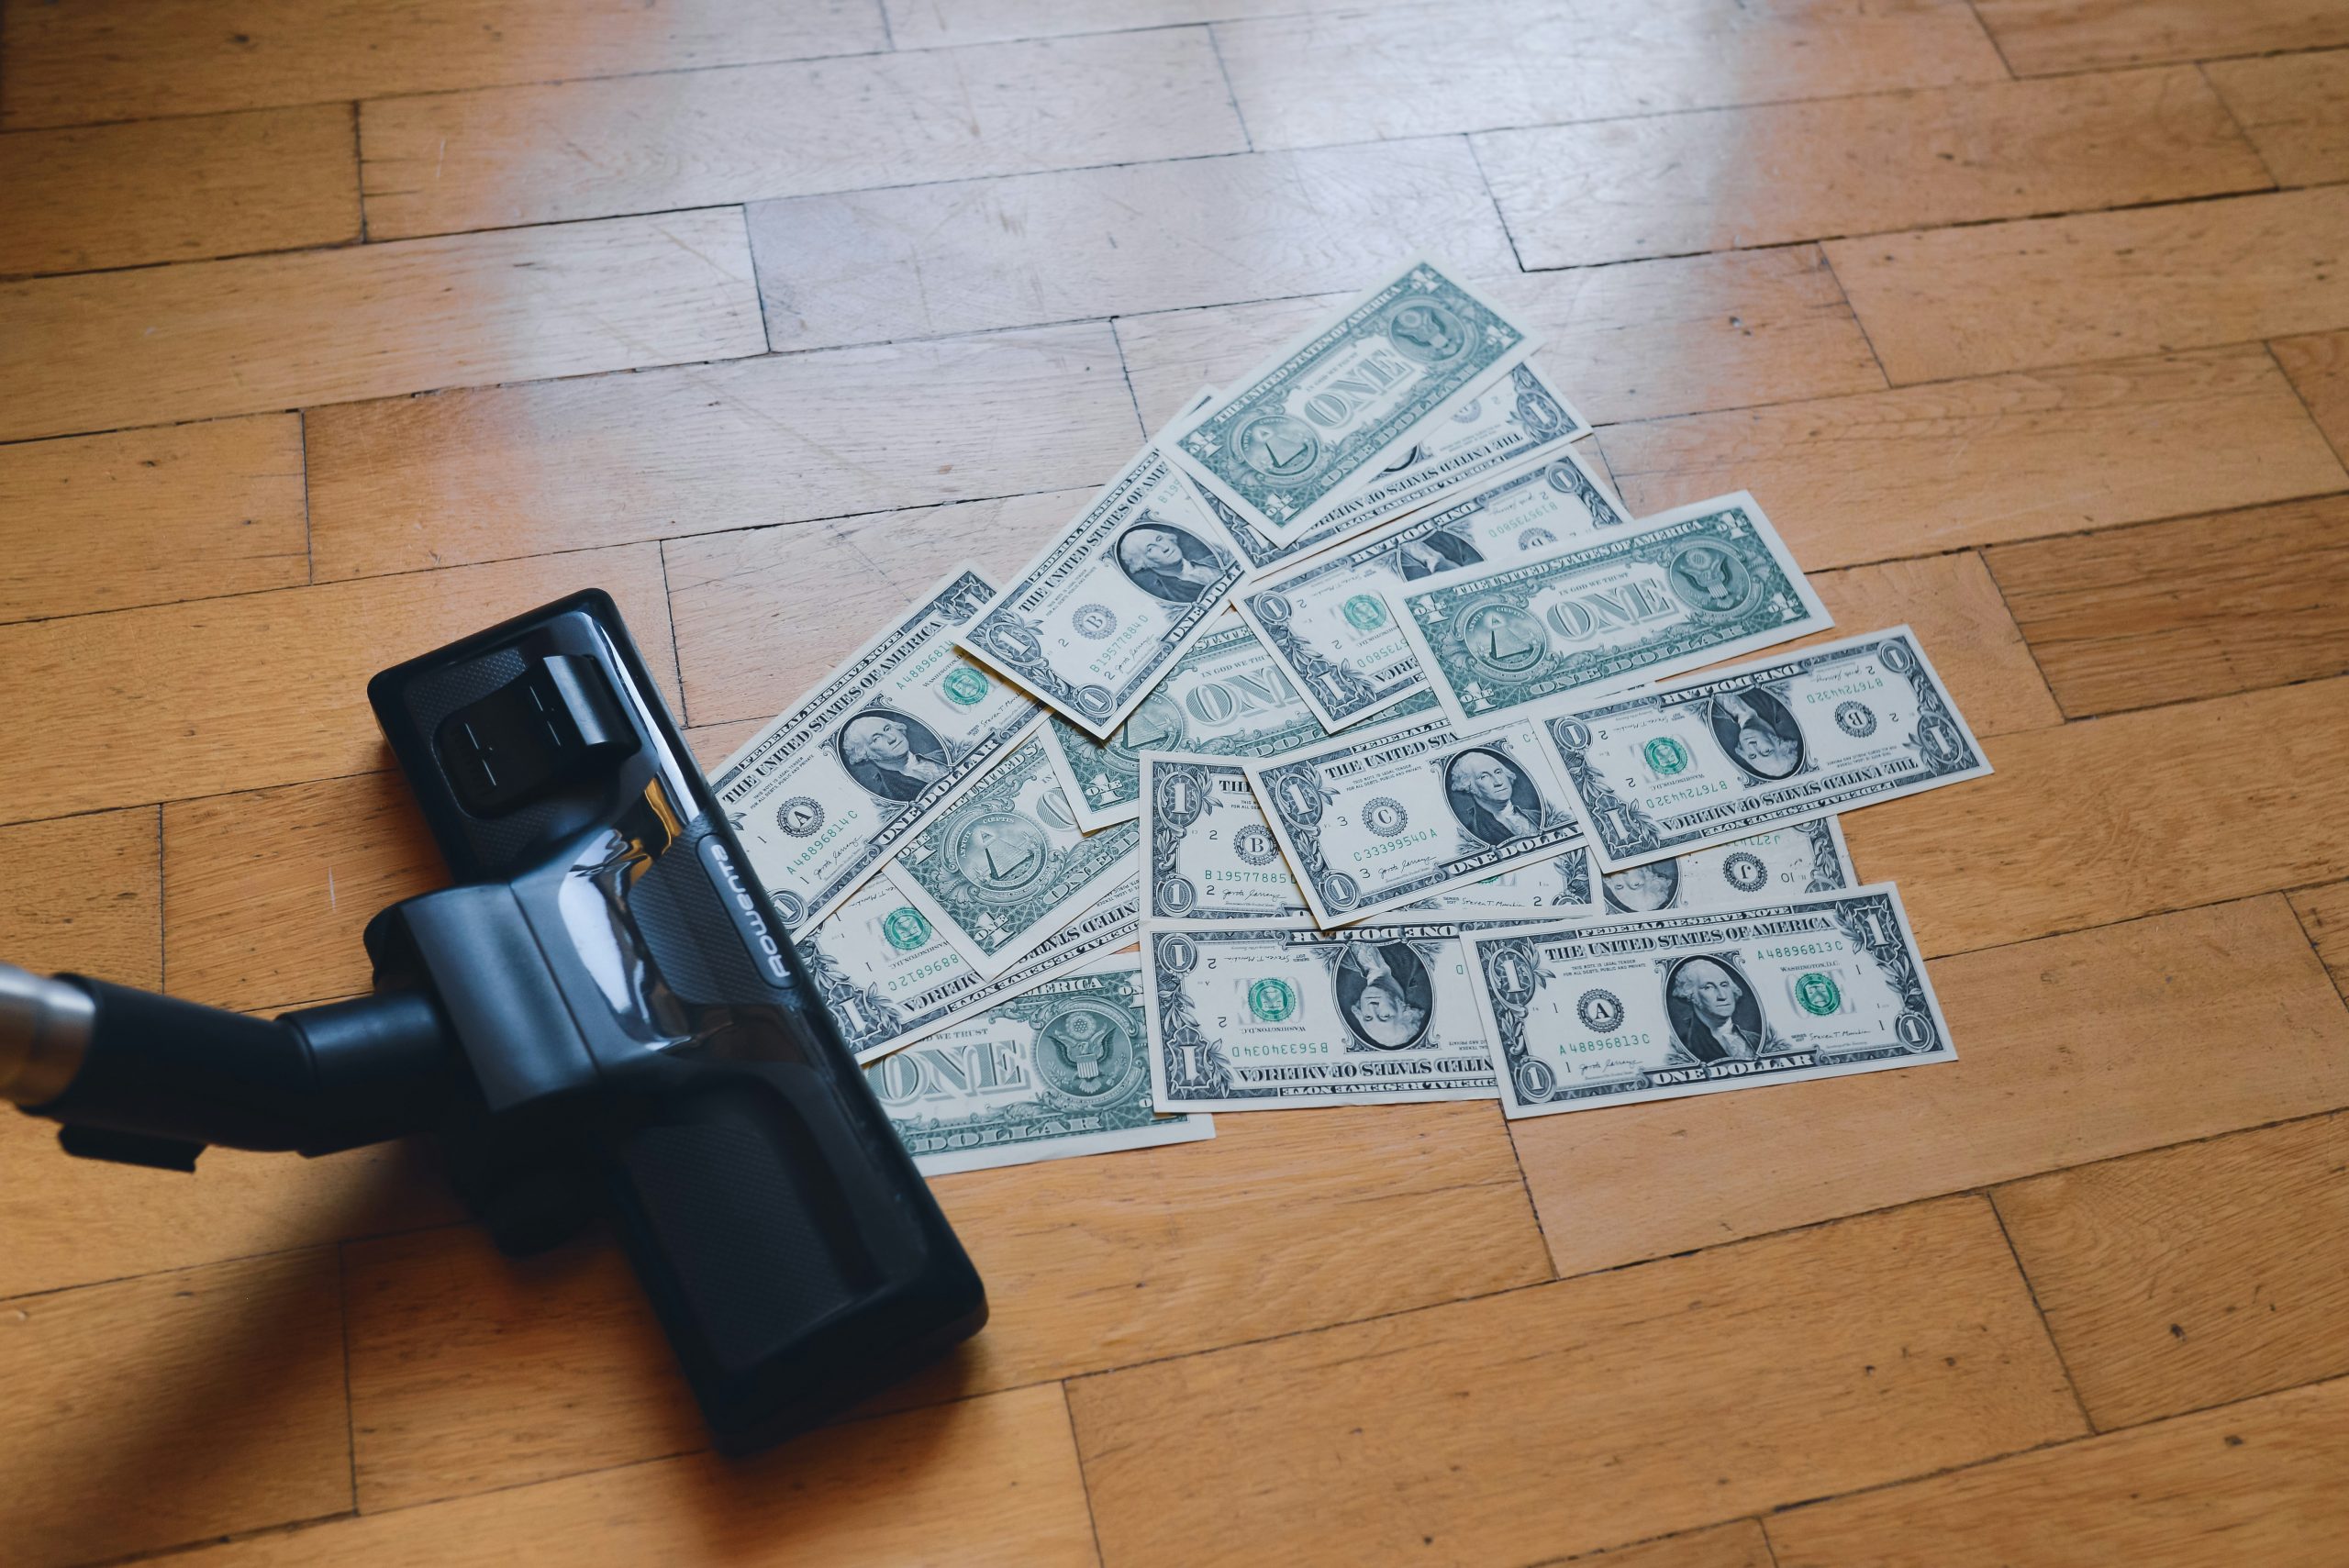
638 1039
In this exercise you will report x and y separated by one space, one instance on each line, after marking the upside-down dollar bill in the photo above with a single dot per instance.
1684 588
1006 866
1263 1017
1327 620
1724 756
1061 1069
1094 623
890 979
1334 407
1786 862
1377 818
830 789
1586 1014
1208 855
1225 698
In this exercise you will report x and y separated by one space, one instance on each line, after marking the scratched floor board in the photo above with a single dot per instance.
469 1373
221 694
2295 109
2325 914
1635 342
992 1482
98 350
2195 607
541 154
2106 819
110 60
1308 80
174 1407
2070 1048
2318 367
1879 476
508 471
1667 185
926 260
1532 1425
2098 286
2254 1483
2194 1276
151 516
2039 37
123 195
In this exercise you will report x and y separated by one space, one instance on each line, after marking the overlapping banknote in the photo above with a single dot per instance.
1375 818
1062 1069
1330 412
1680 589
1722 756
831 789
1327 619
1588 1014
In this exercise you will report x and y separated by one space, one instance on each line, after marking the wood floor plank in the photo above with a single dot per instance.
2042 36
267 891
469 1372
761 614
2106 819
1667 185
2254 1483
2324 916
1308 80
2069 1049
85 895
151 516
223 695
2100 286
1597 1410
110 60
203 339
1920 469
2189 1277
500 471
2195 607
926 260
992 1482
541 154
1738 1545
1963 624
158 1410
122 196
2318 368
930 23
1632 342
2295 109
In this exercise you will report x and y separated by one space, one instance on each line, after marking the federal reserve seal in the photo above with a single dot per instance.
1255 845
1096 621
1601 1011
1384 816
1855 718
1745 871
800 815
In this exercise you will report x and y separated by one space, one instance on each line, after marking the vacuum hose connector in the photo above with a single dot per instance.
45 1026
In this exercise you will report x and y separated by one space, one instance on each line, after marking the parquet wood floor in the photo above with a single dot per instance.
330 331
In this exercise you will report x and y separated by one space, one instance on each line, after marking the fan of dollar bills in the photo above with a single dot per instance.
1361 704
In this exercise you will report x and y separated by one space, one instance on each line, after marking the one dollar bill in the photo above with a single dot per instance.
1685 588
1377 818
1094 623
1786 862
1006 866
890 978
832 788
1267 1017
1061 1069
1724 756
1331 409
1591 1015
1327 622
1207 854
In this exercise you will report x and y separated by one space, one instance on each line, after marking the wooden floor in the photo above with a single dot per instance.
331 332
